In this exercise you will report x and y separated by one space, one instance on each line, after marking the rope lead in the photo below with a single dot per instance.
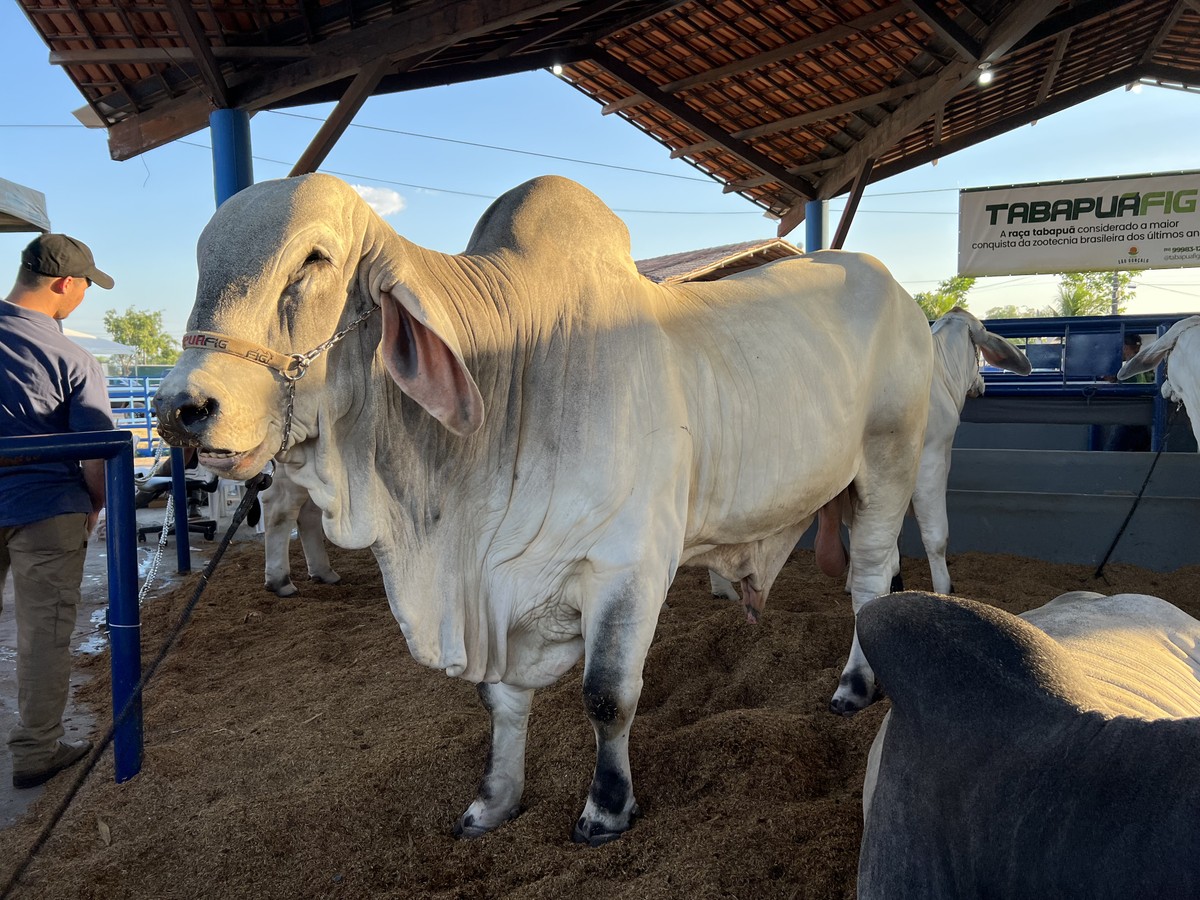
254 485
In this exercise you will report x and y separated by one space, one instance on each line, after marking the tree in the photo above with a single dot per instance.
950 293
1079 294
143 330
1012 311
1091 293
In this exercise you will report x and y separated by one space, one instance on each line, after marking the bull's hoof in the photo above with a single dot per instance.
897 583
331 578
853 695
597 834
468 826
287 589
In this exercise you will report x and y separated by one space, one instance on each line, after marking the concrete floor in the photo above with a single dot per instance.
89 637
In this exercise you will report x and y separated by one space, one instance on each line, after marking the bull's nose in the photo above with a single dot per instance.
183 413
189 415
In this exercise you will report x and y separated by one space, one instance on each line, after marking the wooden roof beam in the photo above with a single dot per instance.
789 51
847 217
1078 14
1060 50
1168 26
820 115
952 79
418 32
700 124
573 20
947 29
193 34
339 120
1058 103
151 55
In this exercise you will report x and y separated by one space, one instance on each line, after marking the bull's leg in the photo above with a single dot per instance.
878 516
722 588
312 539
617 635
499 797
929 506
935 535
279 515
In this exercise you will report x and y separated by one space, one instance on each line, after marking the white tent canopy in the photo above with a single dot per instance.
98 346
22 208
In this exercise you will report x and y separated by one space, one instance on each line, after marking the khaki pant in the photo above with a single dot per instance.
46 559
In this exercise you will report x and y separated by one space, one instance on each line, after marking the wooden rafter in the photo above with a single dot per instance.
847 218
163 55
1060 49
952 79
416 33
189 26
832 112
1167 26
700 124
950 31
339 120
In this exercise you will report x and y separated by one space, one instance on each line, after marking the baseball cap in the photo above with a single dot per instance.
57 255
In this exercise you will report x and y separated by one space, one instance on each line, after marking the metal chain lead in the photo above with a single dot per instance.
301 362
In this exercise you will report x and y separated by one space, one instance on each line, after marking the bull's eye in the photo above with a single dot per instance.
315 258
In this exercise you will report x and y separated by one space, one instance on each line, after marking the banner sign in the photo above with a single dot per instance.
1135 222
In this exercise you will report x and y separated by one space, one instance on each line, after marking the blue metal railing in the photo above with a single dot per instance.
1073 356
130 399
124 617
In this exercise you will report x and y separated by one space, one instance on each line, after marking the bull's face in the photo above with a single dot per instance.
278 271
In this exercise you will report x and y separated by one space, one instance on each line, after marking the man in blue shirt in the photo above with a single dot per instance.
48 385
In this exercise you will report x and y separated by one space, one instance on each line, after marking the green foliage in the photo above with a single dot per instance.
1079 294
143 330
1012 311
950 293
1091 293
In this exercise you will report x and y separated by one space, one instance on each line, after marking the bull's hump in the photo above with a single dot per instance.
551 214
939 656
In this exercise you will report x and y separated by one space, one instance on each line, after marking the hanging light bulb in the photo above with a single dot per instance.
556 69
985 74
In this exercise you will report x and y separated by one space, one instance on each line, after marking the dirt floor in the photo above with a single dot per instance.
294 749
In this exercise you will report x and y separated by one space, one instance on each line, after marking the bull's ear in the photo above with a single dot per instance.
999 352
1149 357
423 357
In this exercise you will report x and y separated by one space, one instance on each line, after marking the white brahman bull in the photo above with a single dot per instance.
1180 347
1021 761
287 506
527 439
958 340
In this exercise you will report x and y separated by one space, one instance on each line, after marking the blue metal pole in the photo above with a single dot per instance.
816 225
233 168
124 617
183 548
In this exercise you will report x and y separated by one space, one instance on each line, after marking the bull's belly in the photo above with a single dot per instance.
752 512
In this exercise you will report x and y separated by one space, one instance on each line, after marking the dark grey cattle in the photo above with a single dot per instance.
1000 775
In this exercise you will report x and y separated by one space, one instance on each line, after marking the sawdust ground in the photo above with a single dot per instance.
294 749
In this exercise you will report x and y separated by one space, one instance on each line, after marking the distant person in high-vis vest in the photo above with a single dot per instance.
48 385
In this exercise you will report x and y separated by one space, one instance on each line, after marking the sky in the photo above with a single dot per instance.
431 161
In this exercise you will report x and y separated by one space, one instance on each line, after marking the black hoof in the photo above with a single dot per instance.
853 696
596 835
897 583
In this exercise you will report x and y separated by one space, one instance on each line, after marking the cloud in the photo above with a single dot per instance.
383 200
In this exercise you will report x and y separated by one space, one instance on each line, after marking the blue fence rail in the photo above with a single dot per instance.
124 617
132 408
1077 357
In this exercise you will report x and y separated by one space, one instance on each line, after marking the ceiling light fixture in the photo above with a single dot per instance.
985 74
